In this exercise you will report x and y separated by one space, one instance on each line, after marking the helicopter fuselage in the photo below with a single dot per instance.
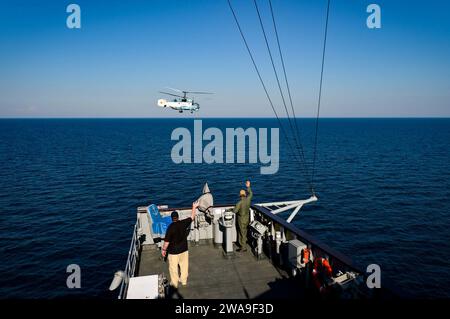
180 104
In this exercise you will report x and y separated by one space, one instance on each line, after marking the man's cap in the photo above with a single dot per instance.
242 193
174 214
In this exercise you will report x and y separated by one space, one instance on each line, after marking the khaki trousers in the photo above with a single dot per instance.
181 260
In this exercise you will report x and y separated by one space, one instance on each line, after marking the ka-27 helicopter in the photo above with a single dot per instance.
182 102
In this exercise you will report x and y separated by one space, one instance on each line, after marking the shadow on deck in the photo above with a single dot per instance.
211 276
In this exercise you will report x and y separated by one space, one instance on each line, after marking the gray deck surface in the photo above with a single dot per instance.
211 276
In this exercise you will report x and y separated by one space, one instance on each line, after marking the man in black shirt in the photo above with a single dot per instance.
176 247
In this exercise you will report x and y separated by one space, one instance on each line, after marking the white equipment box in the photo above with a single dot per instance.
295 248
144 287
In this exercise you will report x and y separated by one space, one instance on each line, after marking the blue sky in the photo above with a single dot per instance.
126 51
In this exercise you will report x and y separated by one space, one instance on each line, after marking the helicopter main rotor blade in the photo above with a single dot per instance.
176 90
199 92
171 94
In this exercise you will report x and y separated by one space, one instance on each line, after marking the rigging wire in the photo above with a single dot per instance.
262 82
320 94
287 84
281 92
299 145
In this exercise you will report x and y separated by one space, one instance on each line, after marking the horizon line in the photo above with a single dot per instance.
218 117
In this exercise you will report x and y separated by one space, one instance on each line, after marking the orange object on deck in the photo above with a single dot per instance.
305 255
321 272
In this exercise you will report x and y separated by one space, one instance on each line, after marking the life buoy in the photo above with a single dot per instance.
322 271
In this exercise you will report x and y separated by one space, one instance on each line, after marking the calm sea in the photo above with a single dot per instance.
69 191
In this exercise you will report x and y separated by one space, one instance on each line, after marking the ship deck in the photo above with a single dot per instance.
212 276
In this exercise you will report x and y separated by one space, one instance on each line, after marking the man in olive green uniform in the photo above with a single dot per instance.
242 210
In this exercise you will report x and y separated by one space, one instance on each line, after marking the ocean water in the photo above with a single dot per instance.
69 189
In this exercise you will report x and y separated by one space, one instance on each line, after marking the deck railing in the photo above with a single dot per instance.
306 238
130 268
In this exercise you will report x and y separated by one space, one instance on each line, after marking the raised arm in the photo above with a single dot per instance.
249 191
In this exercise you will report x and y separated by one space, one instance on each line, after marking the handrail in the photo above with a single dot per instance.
130 267
307 238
